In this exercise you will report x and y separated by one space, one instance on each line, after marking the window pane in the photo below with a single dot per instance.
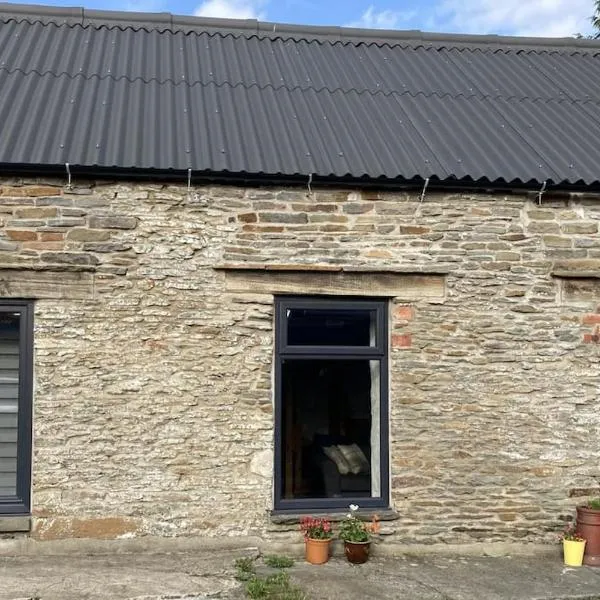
9 399
330 327
330 416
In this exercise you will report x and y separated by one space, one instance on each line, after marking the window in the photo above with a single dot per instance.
16 336
331 404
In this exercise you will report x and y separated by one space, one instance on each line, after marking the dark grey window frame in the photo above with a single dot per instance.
285 351
21 503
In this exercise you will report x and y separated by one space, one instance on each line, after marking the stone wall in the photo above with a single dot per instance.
153 394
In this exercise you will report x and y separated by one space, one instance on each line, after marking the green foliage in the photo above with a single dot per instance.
245 569
274 587
257 588
595 503
353 529
279 562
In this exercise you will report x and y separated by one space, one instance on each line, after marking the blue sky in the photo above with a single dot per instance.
507 17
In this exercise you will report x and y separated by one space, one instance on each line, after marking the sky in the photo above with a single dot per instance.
553 18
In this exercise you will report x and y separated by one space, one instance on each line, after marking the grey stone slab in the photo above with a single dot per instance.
515 578
14 524
339 579
207 573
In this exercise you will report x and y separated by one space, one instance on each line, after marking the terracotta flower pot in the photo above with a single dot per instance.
317 551
357 552
588 527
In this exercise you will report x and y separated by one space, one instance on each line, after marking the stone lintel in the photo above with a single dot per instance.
46 284
580 290
586 267
320 268
15 524
408 286
576 274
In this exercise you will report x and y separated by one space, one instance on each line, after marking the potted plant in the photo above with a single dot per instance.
317 538
356 535
573 546
588 527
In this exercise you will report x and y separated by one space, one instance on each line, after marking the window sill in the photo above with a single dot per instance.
281 517
15 524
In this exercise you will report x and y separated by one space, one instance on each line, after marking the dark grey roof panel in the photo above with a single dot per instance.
178 93
209 58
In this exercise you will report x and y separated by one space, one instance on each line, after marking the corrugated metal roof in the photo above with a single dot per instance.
171 93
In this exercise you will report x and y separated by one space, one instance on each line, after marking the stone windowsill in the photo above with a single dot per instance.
288 517
15 524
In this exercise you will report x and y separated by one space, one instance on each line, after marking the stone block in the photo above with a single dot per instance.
269 217
16 524
30 190
36 213
401 340
110 222
21 235
82 234
580 227
66 222
69 258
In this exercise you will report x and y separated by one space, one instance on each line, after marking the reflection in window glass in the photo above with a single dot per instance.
9 401
330 327
331 416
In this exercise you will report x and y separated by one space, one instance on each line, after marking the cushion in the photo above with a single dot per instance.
333 453
355 457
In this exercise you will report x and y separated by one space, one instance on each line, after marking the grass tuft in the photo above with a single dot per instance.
279 562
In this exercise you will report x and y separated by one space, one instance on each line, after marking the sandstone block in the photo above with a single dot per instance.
413 230
21 235
401 340
36 213
30 190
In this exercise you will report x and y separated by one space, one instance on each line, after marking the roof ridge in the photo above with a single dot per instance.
252 27
316 90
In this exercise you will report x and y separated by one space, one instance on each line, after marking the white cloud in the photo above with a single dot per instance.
232 9
552 18
385 19
143 6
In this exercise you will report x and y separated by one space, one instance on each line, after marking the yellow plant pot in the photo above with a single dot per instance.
573 552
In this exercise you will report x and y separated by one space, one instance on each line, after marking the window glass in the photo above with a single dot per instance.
9 401
330 327
331 414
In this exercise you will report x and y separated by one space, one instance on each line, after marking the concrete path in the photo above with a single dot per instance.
201 574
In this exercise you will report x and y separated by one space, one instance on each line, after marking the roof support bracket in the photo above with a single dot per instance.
541 192
68 168
309 184
421 198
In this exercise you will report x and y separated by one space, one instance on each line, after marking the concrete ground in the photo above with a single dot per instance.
120 572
